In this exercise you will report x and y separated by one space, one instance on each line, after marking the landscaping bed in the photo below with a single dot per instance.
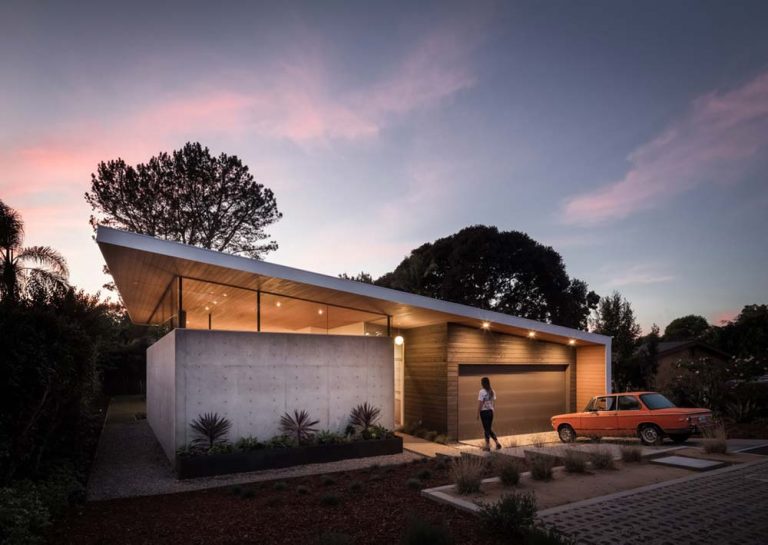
371 506
239 462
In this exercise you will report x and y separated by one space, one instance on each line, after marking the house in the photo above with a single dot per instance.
251 340
670 352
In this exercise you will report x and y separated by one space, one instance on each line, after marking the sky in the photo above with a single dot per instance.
629 136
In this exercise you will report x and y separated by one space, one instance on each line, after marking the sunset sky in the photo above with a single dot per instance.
630 136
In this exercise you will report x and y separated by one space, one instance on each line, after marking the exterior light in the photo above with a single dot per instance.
399 340
224 294
486 325
278 304
531 334
207 308
215 302
319 311
572 341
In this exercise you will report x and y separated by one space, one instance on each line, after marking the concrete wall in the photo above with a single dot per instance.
253 378
161 391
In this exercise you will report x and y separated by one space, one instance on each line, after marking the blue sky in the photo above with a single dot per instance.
630 136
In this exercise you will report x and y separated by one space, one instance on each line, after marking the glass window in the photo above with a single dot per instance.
605 404
166 313
656 401
214 306
628 403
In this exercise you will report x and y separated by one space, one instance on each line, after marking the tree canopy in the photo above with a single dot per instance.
188 196
686 328
616 319
504 271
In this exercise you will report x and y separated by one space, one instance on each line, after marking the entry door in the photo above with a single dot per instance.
527 397
399 370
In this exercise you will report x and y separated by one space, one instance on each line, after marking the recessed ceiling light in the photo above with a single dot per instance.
278 304
319 311
224 294
531 334
207 308
572 341
486 325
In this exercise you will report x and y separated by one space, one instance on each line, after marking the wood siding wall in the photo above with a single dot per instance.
590 374
425 376
467 345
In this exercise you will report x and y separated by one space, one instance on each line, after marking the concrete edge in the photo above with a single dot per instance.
655 486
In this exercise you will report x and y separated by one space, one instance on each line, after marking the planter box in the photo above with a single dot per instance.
238 462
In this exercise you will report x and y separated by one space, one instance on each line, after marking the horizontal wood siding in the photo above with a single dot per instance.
425 376
590 374
468 345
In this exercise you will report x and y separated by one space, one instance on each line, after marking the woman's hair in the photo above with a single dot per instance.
486 383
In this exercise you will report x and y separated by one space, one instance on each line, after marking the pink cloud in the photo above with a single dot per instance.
724 316
641 275
704 146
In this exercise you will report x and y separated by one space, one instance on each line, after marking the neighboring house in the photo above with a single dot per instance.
674 351
251 340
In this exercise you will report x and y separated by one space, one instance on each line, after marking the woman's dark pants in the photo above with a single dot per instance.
486 417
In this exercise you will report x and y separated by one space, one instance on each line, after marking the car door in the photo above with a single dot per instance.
629 414
602 418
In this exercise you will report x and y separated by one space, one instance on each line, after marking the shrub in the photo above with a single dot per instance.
221 448
424 474
298 425
210 429
280 441
512 516
356 486
364 416
332 538
377 432
541 468
440 464
602 458
280 485
430 435
467 472
631 454
542 535
302 490
329 500
249 443
327 480
441 438
715 440
413 483
574 461
420 532
537 441
507 468
327 437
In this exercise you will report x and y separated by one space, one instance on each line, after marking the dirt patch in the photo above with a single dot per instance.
571 487
375 511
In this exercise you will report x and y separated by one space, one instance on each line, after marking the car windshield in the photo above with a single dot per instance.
656 401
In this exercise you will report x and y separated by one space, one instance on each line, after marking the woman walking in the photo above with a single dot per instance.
485 403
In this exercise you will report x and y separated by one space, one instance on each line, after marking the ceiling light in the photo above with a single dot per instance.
572 341
319 311
207 308
531 334
224 294
486 325
278 304
215 302
399 340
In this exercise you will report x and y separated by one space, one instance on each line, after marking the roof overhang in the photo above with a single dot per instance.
143 267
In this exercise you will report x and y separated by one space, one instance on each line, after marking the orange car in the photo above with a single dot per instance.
649 415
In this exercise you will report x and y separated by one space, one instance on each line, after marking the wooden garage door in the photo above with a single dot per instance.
527 396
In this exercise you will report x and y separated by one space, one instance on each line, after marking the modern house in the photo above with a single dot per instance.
670 352
251 340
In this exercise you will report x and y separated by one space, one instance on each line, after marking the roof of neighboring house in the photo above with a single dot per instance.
671 347
143 267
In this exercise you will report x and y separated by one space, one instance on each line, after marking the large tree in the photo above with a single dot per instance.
504 271
24 269
616 319
686 328
189 196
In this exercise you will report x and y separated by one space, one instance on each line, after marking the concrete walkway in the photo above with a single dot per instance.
423 447
130 462
727 506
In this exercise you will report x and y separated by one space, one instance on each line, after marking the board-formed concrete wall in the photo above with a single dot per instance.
254 378
161 391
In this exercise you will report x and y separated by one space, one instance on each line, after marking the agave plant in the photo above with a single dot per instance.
298 425
364 416
211 429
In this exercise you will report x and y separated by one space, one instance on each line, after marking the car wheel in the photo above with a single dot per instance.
566 434
679 438
651 435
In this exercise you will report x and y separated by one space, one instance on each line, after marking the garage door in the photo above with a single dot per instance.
527 396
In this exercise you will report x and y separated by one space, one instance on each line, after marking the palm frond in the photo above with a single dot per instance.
11 227
364 416
298 425
45 257
210 429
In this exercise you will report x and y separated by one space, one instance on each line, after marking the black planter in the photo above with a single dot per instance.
188 467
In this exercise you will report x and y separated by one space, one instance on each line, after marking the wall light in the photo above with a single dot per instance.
486 325
572 342
207 308
278 304
319 311
531 334
399 340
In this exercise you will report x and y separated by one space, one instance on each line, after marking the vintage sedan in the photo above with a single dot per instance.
648 415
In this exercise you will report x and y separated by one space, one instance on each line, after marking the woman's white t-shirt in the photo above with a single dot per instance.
487 400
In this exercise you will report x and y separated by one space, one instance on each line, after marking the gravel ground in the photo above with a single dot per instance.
130 462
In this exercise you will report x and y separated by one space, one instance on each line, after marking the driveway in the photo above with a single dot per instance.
727 506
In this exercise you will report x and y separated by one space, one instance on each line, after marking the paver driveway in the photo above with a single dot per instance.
729 506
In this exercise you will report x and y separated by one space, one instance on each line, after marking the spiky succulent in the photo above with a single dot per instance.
364 416
211 429
299 425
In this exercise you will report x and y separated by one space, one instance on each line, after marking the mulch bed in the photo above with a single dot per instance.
757 429
270 513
